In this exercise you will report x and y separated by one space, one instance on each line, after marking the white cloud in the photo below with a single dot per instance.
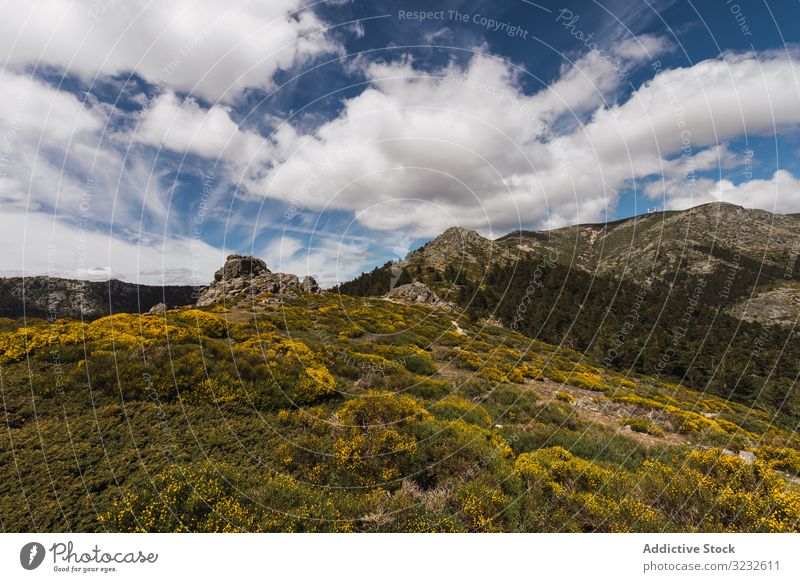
185 127
35 244
781 193
643 47
422 150
416 152
59 159
328 260
58 155
209 48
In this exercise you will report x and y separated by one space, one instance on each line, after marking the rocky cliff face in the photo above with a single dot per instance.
249 276
53 297
780 306
415 292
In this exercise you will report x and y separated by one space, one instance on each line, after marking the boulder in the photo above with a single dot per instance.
747 457
415 292
237 266
309 285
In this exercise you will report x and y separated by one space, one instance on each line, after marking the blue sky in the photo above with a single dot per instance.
146 142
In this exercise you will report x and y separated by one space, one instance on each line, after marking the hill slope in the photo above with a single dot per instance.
322 412
704 297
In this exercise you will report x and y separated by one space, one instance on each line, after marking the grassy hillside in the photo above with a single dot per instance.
704 297
337 413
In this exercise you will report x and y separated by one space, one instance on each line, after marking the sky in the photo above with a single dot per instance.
146 141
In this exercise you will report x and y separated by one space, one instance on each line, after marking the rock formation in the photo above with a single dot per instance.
415 292
249 276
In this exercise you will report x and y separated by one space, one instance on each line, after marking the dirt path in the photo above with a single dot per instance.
596 408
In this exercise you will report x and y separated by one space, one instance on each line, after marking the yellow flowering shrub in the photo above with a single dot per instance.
588 381
381 409
294 369
493 374
119 331
482 506
565 397
182 499
708 490
566 493
530 372
208 324
473 432
555 375
414 358
780 458
469 360
643 425
456 408
374 446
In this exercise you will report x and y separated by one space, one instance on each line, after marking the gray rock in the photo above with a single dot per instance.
747 457
158 308
56 297
415 292
309 285
249 276
240 266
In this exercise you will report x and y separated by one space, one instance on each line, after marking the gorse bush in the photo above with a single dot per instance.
643 425
183 499
327 413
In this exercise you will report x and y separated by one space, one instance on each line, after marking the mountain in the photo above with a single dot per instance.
656 247
701 240
706 296
316 411
53 297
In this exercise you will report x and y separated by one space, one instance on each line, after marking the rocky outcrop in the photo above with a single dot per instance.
415 292
779 306
243 275
460 248
54 297
418 293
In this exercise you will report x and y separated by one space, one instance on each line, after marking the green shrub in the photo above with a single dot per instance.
643 425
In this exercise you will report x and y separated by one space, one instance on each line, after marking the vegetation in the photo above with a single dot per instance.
678 331
336 413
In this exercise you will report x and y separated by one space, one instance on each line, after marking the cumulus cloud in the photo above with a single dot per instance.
69 160
185 127
69 188
58 157
211 49
330 260
781 193
421 150
417 151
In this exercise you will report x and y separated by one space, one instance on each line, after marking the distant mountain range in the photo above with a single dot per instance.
57 298
54 297
748 256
